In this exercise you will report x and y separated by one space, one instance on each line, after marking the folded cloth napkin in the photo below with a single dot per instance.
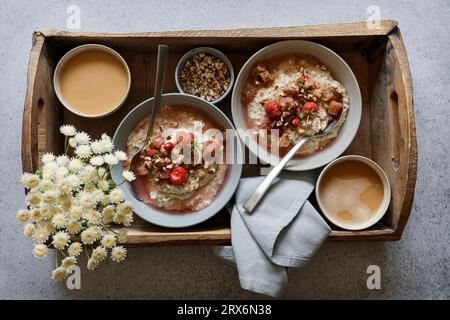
283 231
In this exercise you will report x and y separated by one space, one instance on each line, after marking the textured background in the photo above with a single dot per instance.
415 267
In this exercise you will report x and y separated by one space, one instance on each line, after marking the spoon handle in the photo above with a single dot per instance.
261 190
163 52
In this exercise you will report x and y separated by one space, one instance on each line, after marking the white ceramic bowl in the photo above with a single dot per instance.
71 54
173 220
341 72
383 206
209 51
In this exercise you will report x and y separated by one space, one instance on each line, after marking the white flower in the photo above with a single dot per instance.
86 200
120 155
89 187
73 181
84 176
59 220
126 207
92 264
116 195
28 229
51 165
128 175
128 220
103 185
106 200
119 217
97 161
30 180
33 198
108 214
40 234
98 232
50 227
93 217
47 211
75 249
88 236
61 239
23 215
83 151
76 212
36 215
110 159
107 145
73 227
97 147
61 172
48 173
45 185
63 187
90 170
68 130
118 254
122 235
62 160
73 143
40 250
109 241
98 195
105 137
50 196
59 274
75 165
68 262
82 138
48 157
99 254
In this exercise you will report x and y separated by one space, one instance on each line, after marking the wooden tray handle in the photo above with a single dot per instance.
394 123
33 109
401 120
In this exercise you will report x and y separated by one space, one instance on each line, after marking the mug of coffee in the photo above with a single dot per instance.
353 192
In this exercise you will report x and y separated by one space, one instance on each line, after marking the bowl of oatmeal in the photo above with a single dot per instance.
293 89
191 166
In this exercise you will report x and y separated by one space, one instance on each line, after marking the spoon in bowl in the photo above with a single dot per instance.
261 190
136 160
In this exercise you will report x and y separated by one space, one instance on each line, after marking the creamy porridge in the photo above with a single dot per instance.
184 165
295 94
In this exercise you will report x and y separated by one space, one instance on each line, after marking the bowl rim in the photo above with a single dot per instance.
211 51
386 193
73 52
293 164
150 214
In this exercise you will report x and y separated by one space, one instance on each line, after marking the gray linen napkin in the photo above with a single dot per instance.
284 231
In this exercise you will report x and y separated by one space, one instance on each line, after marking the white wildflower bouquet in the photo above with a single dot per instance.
72 203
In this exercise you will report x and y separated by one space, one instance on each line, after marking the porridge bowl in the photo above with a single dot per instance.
292 89
191 166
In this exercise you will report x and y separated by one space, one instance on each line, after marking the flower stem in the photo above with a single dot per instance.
108 228
56 258
86 252
66 146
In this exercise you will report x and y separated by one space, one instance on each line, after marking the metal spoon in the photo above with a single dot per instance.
261 190
161 64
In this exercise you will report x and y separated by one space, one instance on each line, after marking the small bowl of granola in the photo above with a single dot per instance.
205 72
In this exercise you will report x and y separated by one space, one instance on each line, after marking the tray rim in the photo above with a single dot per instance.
387 28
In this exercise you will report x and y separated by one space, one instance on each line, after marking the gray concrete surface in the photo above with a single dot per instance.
415 267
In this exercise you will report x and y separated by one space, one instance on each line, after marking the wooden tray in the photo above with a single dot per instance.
377 57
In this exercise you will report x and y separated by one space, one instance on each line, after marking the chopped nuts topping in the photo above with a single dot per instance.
205 76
